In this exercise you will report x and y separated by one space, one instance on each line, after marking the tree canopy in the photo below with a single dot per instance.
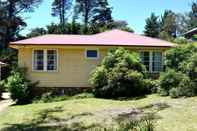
152 27
60 8
11 19
93 11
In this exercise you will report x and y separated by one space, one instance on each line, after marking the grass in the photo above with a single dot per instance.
175 114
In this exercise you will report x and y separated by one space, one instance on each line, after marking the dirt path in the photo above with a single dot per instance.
4 104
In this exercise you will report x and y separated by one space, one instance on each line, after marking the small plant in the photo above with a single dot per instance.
50 97
19 87
46 97
174 93
144 124
83 96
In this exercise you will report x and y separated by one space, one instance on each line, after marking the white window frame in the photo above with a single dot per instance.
151 60
45 60
91 58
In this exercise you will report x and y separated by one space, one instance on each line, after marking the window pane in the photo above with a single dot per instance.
157 61
92 53
145 59
38 60
51 60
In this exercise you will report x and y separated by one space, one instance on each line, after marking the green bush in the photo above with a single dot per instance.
186 87
19 87
181 40
174 93
169 80
120 75
176 84
179 54
189 67
151 86
180 79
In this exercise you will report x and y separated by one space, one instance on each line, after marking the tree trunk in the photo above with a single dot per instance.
86 17
9 31
63 12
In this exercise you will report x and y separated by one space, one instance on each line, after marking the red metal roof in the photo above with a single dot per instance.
108 38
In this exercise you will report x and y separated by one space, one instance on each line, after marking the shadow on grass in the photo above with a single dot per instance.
46 121
148 111
129 98
157 106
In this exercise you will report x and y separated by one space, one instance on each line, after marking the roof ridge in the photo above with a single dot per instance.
70 34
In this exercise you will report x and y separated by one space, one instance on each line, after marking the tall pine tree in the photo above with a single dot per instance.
93 12
103 13
60 8
168 23
86 9
152 26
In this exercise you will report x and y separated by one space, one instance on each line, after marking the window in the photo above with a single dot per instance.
157 62
92 54
44 60
152 61
145 59
51 60
38 60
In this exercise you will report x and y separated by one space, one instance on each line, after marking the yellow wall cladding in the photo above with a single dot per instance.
73 67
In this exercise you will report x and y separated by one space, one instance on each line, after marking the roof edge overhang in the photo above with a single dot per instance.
13 45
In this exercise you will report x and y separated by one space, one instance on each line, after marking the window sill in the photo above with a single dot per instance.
92 58
37 71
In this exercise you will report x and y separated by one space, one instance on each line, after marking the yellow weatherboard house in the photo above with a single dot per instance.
67 60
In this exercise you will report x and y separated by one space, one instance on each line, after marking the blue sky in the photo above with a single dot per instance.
133 11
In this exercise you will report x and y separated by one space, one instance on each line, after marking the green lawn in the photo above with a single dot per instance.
179 115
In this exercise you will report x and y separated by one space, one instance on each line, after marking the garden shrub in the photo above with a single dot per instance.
181 40
179 54
151 86
19 86
189 67
181 80
120 75
169 80
186 87
176 84
174 93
